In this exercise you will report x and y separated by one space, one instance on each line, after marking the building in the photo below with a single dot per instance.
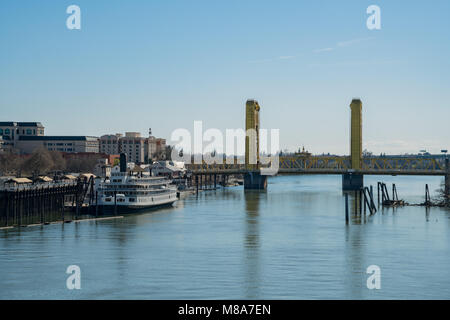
69 144
102 168
2 145
160 145
10 133
137 148
6 144
133 145
14 182
110 143
173 169
14 130
25 137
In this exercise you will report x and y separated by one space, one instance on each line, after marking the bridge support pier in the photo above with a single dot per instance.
352 181
255 181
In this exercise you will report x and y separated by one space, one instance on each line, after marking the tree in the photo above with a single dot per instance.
59 163
165 154
168 152
86 164
40 162
10 164
442 198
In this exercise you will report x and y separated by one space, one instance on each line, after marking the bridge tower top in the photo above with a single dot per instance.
252 134
356 134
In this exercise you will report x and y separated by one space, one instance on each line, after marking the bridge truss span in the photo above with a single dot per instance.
384 165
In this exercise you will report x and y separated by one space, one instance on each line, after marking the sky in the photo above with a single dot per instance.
135 65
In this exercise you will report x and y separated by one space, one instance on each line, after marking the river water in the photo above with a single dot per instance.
289 242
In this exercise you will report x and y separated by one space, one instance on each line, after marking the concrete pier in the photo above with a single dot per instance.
255 181
352 181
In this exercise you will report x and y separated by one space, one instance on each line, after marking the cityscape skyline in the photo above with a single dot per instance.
167 65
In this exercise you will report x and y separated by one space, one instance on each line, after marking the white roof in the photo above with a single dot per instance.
20 180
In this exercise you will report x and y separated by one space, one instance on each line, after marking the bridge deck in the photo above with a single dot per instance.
423 166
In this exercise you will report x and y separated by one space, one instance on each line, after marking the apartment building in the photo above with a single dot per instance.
137 148
133 146
110 144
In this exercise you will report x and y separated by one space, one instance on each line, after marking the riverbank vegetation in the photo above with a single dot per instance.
42 162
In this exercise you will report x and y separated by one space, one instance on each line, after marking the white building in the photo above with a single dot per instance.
102 168
168 168
70 144
11 132
25 137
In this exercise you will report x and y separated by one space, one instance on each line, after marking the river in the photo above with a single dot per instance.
289 242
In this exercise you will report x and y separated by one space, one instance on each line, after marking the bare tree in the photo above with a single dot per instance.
86 164
442 198
165 154
168 152
10 163
59 163
40 162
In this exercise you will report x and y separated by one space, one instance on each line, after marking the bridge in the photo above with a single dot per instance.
352 168
338 165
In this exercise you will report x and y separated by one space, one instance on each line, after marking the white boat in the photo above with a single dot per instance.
129 191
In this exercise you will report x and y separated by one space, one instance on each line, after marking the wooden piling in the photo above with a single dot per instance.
96 204
346 208
360 202
115 203
365 200
196 184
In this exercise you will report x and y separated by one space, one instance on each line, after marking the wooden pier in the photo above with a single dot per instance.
38 204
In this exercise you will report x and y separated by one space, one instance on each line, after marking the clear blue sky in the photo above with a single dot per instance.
163 64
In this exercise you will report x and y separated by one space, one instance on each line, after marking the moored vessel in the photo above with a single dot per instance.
134 190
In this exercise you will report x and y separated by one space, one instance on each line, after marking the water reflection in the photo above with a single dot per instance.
354 257
252 243
356 208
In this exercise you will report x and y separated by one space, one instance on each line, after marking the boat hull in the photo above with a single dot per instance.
123 209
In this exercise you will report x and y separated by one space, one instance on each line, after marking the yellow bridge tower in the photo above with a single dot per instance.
253 178
353 180
356 134
252 135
